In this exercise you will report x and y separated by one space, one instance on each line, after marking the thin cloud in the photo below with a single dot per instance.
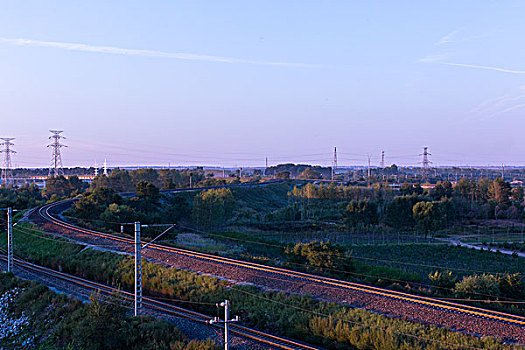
435 58
147 53
445 58
449 38
522 105
475 66
500 105
439 59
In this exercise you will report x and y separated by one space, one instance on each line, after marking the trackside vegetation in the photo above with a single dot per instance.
55 321
330 325
242 216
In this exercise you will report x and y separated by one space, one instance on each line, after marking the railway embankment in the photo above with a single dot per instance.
400 309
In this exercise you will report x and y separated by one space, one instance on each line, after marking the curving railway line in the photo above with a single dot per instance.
268 339
45 213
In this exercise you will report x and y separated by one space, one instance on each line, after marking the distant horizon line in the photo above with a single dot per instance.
493 167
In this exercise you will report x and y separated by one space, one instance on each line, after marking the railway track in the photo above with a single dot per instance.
45 213
268 339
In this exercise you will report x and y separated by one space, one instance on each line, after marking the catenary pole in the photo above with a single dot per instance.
138 270
9 239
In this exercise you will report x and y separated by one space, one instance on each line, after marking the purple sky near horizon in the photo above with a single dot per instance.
229 83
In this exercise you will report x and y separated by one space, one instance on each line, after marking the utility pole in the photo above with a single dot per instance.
266 167
138 270
7 176
227 320
334 164
56 168
503 171
368 171
9 239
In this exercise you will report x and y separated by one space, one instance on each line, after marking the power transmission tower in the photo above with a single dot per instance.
105 167
334 165
7 176
96 169
227 320
56 168
426 163
382 159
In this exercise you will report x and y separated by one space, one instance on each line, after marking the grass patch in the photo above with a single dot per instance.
462 261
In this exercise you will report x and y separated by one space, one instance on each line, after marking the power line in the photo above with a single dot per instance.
473 300
62 240
349 321
282 246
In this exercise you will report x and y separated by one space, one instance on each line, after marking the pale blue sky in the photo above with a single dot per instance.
230 82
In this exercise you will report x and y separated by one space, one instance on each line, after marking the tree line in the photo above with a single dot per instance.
412 206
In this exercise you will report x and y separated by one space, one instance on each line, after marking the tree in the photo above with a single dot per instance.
361 212
310 173
119 180
441 190
398 212
428 216
511 285
144 174
147 190
176 209
115 214
95 202
465 189
61 186
319 255
500 191
24 197
212 208
283 175
517 195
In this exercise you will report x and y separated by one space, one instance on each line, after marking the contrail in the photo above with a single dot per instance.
504 111
148 53
475 66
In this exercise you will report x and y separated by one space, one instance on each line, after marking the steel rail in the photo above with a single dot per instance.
382 292
275 341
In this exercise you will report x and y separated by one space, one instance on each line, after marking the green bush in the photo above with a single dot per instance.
443 279
476 286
